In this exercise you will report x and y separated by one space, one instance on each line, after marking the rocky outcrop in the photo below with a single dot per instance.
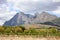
21 18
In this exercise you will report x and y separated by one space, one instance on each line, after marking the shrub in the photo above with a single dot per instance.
22 27
2 30
31 31
18 29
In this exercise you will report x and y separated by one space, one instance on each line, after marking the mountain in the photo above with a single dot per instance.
44 17
21 18
57 21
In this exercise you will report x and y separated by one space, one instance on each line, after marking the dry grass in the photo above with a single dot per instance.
27 38
27 26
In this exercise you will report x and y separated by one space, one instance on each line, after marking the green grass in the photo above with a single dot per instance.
19 30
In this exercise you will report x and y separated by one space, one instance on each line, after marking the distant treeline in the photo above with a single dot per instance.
20 30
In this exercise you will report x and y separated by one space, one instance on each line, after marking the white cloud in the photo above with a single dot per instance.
57 11
29 5
1 22
56 0
2 1
33 5
9 7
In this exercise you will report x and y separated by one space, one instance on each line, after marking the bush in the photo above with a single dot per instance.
22 27
20 30
31 31
2 30
53 31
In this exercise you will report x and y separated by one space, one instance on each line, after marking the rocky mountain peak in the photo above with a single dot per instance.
45 13
21 18
44 17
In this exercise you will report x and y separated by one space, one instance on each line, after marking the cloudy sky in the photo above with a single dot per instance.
8 8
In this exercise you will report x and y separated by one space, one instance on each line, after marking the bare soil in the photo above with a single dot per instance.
27 38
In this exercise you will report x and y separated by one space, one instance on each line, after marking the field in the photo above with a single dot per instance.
32 32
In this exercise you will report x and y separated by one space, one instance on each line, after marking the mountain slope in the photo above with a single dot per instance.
57 21
18 19
21 18
44 17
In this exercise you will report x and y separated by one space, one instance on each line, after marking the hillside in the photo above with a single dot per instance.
57 21
22 18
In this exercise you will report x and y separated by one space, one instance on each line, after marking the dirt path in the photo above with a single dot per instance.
27 38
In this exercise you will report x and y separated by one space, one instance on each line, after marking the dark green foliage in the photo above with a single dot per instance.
31 31
11 29
20 30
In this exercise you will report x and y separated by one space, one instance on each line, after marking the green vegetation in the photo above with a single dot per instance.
57 21
20 30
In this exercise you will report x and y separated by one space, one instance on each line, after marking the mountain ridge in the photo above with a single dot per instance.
22 18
